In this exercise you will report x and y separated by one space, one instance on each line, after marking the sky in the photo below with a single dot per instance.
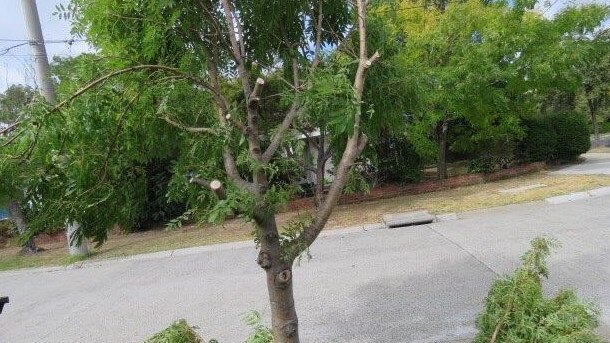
16 64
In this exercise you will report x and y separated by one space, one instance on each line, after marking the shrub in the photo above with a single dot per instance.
572 135
7 228
555 137
516 310
485 164
178 332
540 141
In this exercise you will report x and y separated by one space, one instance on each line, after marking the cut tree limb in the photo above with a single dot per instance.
214 185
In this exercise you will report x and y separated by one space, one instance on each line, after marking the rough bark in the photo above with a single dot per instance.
284 318
442 149
320 169
18 217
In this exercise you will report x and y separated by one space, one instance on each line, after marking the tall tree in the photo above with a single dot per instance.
596 85
485 66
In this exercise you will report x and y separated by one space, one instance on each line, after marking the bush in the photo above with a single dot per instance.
572 135
556 137
178 332
486 164
540 141
517 311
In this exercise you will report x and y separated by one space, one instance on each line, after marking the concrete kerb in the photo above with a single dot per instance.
179 252
577 196
598 192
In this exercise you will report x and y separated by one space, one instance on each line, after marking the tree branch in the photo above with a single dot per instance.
318 43
254 96
214 185
277 137
100 80
187 128
10 128
233 173
355 143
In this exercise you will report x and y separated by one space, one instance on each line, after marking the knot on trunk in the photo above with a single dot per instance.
283 278
290 328
264 260
271 236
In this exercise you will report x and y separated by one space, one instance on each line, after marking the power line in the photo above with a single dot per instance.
46 41
27 42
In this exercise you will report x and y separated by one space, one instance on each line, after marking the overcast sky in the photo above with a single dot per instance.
16 64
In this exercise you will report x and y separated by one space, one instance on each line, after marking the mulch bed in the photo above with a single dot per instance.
392 191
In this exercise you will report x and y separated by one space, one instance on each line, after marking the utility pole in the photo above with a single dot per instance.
45 84
32 22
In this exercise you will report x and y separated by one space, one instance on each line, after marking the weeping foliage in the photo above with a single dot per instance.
516 309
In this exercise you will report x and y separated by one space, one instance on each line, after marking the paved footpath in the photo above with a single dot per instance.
418 284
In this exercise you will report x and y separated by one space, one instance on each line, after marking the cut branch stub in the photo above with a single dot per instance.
264 260
283 278
372 60
254 96
214 185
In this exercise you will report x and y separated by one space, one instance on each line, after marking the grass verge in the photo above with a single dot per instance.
452 200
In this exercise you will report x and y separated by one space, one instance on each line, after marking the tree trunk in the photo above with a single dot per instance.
320 171
442 150
284 319
18 217
74 246
593 112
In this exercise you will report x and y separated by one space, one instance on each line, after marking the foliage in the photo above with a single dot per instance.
288 236
13 102
562 136
177 222
572 135
485 65
516 309
396 160
259 333
7 228
484 164
540 140
157 208
178 332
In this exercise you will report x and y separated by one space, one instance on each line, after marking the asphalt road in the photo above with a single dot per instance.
417 284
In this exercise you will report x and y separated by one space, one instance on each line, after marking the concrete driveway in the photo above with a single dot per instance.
593 163
417 284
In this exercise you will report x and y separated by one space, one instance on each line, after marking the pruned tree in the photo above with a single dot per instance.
232 50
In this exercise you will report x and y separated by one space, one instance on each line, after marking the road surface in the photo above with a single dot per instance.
417 284
593 163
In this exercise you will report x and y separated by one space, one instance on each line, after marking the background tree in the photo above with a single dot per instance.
13 108
476 70
596 83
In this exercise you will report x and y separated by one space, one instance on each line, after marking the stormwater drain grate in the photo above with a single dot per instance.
396 220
